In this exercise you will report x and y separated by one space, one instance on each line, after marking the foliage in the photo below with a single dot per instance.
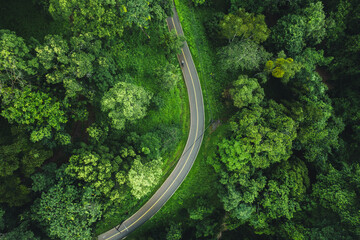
34 109
140 12
283 68
292 32
246 91
342 38
97 134
67 211
101 169
55 93
100 18
268 6
18 160
198 2
125 102
259 200
2 224
16 61
22 154
42 181
200 210
262 137
315 22
143 177
338 191
242 55
79 64
20 232
13 191
168 76
288 168
174 232
244 25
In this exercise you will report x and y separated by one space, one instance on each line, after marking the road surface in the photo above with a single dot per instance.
197 126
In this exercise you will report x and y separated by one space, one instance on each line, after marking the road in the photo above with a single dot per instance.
197 126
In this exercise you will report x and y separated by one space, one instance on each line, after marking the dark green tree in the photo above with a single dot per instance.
292 32
65 210
16 61
338 190
103 19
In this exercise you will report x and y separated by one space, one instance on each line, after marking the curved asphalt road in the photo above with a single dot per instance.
191 150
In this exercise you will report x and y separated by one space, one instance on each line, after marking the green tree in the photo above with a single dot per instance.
2 224
174 232
283 68
82 64
140 12
337 21
198 2
20 232
42 181
13 191
18 159
66 211
294 31
143 177
168 76
35 110
319 128
200 210
315 30
97 133
16 62
22 154
202 216
289 34
338 190
125 102
268 6
242 55
244 25
261 137
246 91
261 200
101 169
100 18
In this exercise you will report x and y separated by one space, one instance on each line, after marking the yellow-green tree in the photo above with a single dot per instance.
143 177
125 102
283 68
244 25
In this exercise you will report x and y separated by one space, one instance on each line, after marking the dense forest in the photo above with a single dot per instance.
94 116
